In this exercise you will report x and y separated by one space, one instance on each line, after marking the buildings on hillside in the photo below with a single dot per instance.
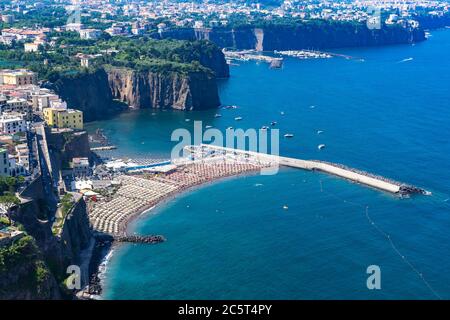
12 123
60 117
21 102
90 34
18 77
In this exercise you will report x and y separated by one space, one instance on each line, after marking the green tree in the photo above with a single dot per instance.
8 201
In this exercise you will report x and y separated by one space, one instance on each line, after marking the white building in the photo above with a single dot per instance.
18 105
81 167
43 100
74 27
58 104
90 34
23 157
31 47
11 124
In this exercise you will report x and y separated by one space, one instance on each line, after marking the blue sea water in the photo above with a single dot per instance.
388 114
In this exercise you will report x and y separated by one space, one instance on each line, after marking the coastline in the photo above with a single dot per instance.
102 256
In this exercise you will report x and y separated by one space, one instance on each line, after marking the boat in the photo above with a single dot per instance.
288 135
208 127
320 146
282 113
285 207
273 123
230 107
312 107
238 118
187 120
319 131
217 115
229 128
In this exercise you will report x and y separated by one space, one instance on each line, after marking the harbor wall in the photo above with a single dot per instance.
343 173
350 174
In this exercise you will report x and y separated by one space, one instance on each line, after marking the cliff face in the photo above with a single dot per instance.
303 37
94 93
433 22
46 258
88 92
73 239
66 146
164 90
24 274
288 37
240 38
215 61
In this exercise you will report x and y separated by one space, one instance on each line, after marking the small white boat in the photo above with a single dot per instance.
273 123
319 131
288 135
282 113
285 207
187 120
229 128
320 146
208 127
217 115
238 118
312 107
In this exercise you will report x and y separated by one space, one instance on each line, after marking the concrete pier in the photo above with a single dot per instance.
351 174
104 148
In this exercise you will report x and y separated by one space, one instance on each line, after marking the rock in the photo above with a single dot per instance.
146 89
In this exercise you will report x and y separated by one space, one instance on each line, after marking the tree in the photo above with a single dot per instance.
8 201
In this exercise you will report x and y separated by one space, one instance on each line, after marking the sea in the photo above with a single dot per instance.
298 234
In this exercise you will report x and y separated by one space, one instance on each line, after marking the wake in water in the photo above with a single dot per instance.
406 60
387 236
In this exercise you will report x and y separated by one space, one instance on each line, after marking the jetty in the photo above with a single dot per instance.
136 191
103 148
140 239
339 170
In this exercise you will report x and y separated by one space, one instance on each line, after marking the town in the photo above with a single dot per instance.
65 195
92 18
26 111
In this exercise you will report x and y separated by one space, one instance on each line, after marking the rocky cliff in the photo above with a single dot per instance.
318 35
40 266
326 37
24 273
98 94
146 89
88 92
433 22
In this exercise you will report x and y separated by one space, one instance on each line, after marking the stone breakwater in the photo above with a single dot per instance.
141 239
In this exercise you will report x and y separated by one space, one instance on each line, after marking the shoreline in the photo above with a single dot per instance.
101 257
179 192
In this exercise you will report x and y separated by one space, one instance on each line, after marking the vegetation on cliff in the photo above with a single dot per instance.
23 272
142 54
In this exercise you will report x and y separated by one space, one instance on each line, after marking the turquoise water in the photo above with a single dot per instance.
232 239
